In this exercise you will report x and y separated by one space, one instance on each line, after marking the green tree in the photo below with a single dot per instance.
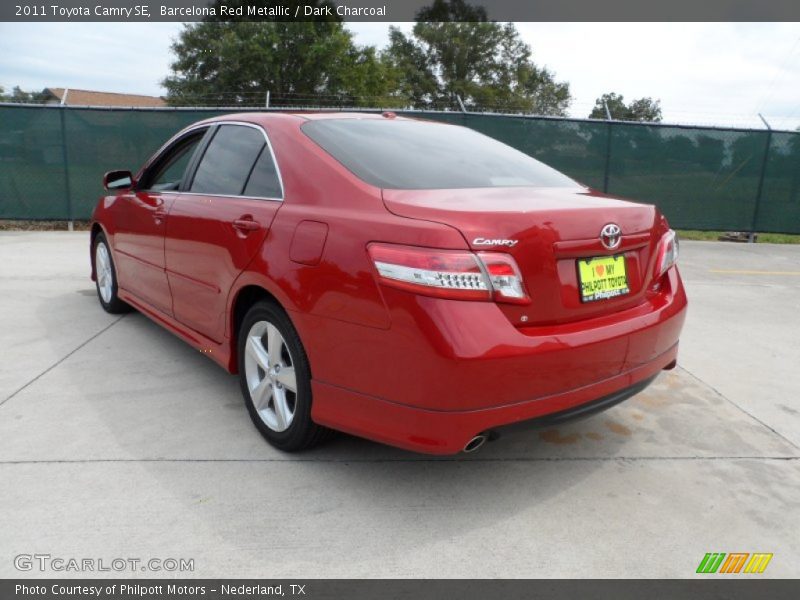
641 109
230 63
463 54
20 96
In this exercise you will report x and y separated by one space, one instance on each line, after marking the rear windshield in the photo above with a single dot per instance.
401 154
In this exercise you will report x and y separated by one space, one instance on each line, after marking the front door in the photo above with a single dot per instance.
140 220
219 223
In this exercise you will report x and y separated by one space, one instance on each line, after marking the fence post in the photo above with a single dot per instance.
65 160
764 161
608 149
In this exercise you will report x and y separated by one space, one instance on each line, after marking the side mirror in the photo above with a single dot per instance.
118 180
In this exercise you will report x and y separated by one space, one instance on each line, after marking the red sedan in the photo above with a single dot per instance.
411 282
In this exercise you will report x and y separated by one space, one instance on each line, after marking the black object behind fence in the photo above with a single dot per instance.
52 160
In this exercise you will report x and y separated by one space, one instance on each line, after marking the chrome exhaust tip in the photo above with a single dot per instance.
475 443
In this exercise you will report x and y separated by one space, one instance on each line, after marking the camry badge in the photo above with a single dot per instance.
484 242
611 236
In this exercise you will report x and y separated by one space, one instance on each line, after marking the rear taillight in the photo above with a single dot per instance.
449 273
667 252
505 277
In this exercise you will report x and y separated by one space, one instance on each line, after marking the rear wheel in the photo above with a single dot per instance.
276 379
106 277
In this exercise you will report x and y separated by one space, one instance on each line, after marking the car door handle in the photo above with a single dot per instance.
246 225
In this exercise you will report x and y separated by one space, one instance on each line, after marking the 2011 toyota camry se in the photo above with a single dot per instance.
411 282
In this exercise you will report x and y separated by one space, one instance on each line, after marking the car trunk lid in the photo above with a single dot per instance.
546 230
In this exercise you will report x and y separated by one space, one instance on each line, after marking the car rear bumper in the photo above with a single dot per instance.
446 371
447 432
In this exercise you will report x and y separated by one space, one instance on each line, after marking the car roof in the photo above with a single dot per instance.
319 116
312 115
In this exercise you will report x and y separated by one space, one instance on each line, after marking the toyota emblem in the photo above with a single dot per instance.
611 236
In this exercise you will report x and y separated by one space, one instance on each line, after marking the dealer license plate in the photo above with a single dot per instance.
602 278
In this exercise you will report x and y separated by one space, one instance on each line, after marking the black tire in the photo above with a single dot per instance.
302 432
112 304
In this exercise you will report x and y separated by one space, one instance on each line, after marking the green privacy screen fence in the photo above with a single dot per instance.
52 160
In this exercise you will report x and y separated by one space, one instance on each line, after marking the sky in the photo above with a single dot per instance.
703 73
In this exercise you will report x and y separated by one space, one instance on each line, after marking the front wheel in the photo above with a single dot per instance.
276 379
106 277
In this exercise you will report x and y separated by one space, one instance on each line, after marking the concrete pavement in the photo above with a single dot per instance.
118 440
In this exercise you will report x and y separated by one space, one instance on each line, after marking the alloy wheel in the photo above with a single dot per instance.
270 376
103 272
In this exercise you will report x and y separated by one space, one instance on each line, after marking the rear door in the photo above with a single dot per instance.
218 224
140 223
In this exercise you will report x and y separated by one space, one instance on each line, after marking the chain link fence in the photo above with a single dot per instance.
52 159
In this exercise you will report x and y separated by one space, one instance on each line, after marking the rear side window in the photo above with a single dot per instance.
228 161
403 154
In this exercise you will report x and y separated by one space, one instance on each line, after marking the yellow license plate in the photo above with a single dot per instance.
602 278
